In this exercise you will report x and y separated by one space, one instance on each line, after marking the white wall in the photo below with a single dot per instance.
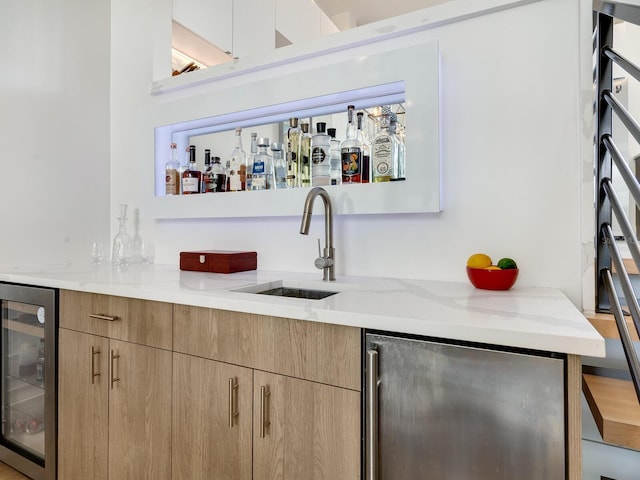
54 129
512 138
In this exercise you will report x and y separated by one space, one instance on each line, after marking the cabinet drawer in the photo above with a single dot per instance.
314 351
138 321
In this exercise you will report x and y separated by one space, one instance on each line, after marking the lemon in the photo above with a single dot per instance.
507 264
479 260
493 267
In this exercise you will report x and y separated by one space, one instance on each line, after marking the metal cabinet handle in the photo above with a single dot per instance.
108 318
114 379
264 408
233 400
371 445
94 351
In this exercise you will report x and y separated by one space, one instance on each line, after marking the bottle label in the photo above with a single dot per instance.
319 155
258 168
351 164
235 184
190 185
172 187
218 182
382 156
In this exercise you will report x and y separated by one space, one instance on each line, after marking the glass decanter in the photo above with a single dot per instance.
121 242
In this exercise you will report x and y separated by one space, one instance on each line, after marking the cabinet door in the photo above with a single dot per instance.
311 430
83 406
139 412
212 417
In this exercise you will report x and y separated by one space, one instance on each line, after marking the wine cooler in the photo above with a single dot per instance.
28 356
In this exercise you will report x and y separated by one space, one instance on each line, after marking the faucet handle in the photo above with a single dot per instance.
322 261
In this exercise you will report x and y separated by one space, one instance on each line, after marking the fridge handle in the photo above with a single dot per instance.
371 447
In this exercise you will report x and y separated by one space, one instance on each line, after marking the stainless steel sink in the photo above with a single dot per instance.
295 289
297 293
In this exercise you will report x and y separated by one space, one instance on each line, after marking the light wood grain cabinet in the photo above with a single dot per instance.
150 390
212 417
83 406
297 400
114 395
304 429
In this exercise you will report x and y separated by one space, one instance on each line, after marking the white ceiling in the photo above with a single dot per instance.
368 11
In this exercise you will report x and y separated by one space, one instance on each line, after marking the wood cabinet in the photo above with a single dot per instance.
297 398
114 394
149 390
212 416
304 429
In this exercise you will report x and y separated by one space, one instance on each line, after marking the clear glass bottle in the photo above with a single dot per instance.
320 156
262 177
351 152
218 181
172 172
250 160
121 242
184 166
192 177
135 253
305 154
279 165
294 137
335 173
366 150
384 151
206 172
237 168
399 172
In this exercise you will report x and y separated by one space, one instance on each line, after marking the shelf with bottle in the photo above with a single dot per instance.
25 428
316 95
301 151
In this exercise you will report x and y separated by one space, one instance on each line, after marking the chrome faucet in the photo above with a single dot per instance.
325 262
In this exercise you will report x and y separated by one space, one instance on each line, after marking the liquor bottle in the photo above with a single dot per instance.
206 172
218 181
351 152
279 165
366 150
262 177
184 166
399 170
320 156
294 138
335 173
237 168
250 160
385 151
305 154
172 172
192 177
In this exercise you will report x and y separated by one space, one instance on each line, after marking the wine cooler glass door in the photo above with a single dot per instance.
23 378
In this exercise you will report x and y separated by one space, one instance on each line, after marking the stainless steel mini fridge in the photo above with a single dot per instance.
28 385
446 411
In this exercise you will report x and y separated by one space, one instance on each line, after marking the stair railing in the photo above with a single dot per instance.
608 157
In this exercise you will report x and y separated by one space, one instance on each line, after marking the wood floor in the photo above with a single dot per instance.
8 473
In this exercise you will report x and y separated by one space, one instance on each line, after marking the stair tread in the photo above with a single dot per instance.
615 408
605 324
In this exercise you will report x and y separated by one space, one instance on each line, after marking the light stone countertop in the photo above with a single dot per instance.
532 318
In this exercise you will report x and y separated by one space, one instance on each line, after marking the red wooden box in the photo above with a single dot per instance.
218 261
